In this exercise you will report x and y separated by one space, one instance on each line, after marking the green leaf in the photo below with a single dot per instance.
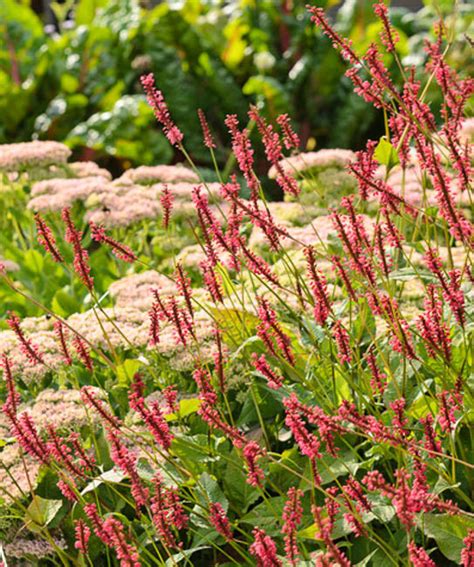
236 487
186 407
207 491
173 559
332 468
64 304
366 561
271 91
264 514
237 325
408 274
126 371
212 491
41 512
386 154
33 261
86 10
113 476
448 532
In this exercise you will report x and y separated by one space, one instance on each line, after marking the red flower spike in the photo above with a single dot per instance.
318 285
342 339
166 200
83 352
206 132
29 349
67 490
419 557
126 461
183 284
467 554
252 452
82 533
243 152
290 138
274 378
157 102
152 415
220 521
264 549
61 334
46 238
389 36
292 517
122 251
13 397
89 398
81 257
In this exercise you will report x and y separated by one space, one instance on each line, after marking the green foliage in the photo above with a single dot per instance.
331 404
81 85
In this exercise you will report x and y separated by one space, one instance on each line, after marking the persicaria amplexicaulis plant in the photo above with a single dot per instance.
282 393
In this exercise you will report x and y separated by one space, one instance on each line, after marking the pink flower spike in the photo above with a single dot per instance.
83 352
219 520
389 36
290 138
275 380
13 397
264 549
122 251
292 517
157 102
29 349
46 238
252 452
208 140
62 338
83 533
467 554
419 557
166 200
343 342
81 257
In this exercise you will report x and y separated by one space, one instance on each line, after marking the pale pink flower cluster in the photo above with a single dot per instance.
119 326
22 472
8 265
183 191
136 290
56 194
22 547
62 408
88 169
44 340
147 175
467 131
133 197
126 325
182 358
29 155
123 203
305 162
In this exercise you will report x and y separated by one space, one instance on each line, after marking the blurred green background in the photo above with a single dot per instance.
69 71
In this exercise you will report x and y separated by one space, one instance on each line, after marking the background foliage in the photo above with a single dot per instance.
79 84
